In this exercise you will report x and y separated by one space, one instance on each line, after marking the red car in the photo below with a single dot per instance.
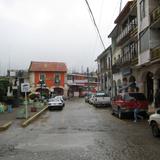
126 102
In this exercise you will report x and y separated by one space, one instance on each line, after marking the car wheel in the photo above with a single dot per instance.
155 130
120 114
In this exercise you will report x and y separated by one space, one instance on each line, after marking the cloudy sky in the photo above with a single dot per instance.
54 30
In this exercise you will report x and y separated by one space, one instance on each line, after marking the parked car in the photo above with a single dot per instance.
60 98
55 104
126 102
154 122
102 99
91 99
88 95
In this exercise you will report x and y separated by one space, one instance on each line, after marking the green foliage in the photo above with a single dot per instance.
4 83
32 96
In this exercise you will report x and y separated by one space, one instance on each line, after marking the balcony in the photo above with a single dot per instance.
128 59
129 31
155 18
155 53
134 61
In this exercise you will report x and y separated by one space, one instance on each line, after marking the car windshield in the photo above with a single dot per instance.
101 95
138 96
54 100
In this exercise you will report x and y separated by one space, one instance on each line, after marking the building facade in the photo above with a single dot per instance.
135 43
124 39
104 61
80 84
149 46
48 76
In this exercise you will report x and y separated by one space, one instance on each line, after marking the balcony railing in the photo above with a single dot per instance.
155 53
155 15
130 58
129 29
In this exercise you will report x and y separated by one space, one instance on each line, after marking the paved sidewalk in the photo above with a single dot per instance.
6 118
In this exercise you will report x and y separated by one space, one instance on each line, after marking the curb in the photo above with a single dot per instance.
28 121
5 126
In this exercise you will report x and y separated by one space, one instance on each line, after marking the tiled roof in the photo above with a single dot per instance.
124 12
48 66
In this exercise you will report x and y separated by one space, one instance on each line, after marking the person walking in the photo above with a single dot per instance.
136 114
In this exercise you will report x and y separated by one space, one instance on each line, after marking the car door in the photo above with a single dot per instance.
116 102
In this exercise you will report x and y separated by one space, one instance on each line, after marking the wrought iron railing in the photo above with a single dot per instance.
132 26
130 58
155 53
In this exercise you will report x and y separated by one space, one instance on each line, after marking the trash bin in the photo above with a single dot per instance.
10 109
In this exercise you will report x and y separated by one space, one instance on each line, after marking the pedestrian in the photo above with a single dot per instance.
136 114
157 98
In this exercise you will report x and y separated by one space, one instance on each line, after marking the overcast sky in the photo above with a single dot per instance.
53 30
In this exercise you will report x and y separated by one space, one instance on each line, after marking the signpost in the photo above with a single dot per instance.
25 88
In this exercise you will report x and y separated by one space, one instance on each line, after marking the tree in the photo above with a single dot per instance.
4 84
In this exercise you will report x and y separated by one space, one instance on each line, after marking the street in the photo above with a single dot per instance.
80 132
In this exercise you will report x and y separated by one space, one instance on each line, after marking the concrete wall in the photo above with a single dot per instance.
142 24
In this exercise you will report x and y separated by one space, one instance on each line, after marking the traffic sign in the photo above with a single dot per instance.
25 87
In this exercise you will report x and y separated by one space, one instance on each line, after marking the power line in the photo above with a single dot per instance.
94 22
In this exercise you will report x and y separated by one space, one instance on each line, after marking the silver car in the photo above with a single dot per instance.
55 104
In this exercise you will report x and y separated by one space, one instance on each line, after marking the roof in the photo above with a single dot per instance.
48 67
104 53
114 32
124 12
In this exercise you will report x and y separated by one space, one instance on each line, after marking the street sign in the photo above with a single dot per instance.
25 87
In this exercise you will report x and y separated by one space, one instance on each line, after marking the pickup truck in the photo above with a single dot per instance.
154 122
125 103
102 99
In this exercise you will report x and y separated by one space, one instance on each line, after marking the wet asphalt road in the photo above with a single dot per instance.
80 132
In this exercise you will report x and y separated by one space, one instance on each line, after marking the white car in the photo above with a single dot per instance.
60 98
56 104
154 122
102 99
91 99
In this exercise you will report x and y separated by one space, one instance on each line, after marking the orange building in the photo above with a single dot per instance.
48 76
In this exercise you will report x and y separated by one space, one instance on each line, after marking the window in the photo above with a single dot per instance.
57 78
114 59
42 77
138 96
142 9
